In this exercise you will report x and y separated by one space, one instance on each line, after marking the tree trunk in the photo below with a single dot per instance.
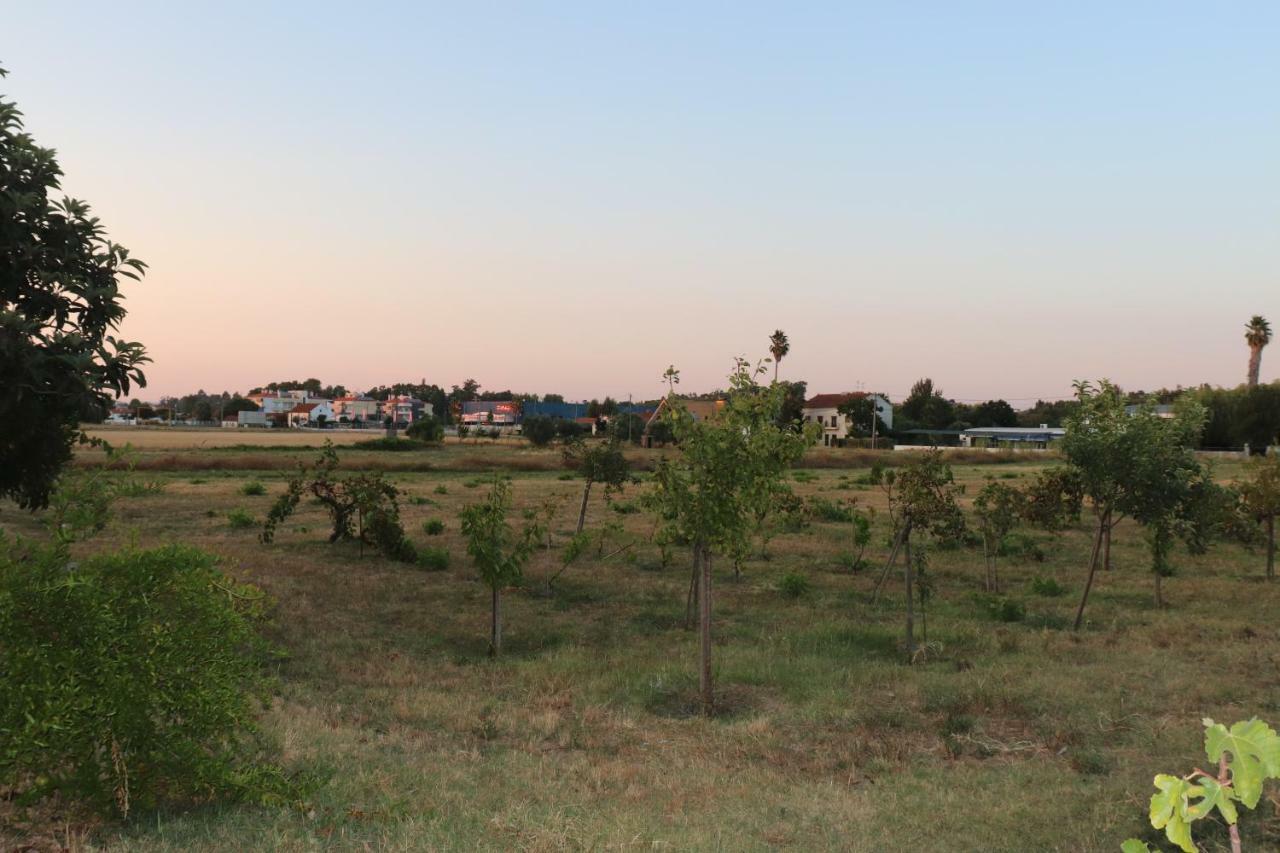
1255 363
704 619
582 513
1106 545
986 563
495 630
1093 567
1159 592
908 577
888 566
691 600
1271 547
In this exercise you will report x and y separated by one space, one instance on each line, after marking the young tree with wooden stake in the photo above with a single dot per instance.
602 463
499 554
924 500
703 495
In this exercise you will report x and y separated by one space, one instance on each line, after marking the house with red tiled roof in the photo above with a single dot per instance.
824 409
308 414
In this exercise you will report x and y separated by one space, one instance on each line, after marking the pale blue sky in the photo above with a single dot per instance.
557 197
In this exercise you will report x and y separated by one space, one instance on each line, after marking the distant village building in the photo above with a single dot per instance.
308 414
404 410
699 410
1039 438
824 409
495 412
358 408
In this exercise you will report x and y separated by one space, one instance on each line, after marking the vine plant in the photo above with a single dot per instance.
1247 754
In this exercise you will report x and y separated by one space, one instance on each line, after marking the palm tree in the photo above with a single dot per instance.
1257 333
779 346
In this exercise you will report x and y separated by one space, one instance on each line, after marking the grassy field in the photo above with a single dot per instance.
1018 735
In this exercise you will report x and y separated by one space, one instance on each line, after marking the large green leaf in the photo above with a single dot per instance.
1133 845
1169 809
1255 755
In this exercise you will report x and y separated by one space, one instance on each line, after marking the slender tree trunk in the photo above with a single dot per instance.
1106 545
1093 567
691 600
1271 547
1255 364
995 573
582 513
908 577
495 628
986 563
888 566
704 619
1159 592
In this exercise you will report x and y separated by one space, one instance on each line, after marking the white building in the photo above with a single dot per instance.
824 409
310 414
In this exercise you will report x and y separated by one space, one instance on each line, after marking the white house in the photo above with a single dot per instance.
824 409
308 414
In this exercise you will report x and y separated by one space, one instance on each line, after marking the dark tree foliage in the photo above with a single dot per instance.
794 394
60 302
426 429
539 429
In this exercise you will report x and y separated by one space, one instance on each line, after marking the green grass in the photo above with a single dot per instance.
1010 735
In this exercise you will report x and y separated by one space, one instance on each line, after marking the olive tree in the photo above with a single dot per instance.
497 550
60 303
706 494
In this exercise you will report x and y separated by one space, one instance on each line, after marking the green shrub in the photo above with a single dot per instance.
441 489
433 527
426 429
1021 545
131 680
827 510
197 481
625 507
793 585
539 429
1047 586
803 476
240 518
252 488
567 476
433 559
471 484
1006 610
419 500
851 562
391 444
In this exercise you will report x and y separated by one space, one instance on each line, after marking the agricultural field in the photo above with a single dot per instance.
1012 733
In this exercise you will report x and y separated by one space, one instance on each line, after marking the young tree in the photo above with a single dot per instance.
998 508
498 552
602 462
924 500
1260 500
60 303
704 495
539 429
1257 334
1135 465
426 429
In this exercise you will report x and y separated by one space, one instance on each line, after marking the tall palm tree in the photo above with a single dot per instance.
779 346
1257 333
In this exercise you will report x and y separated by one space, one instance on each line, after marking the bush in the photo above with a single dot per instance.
1047 587
433 559
793 585
426 429
1021 545
625 507
567 430
240 518
1006 610
441 489
253 488
539 429
419 500
389 444
433 527
131 679
827 510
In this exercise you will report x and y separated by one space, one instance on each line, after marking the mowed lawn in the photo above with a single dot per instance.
1018 735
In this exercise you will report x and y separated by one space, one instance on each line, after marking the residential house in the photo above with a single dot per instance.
359 408
310 414
824 409
282 402
403 410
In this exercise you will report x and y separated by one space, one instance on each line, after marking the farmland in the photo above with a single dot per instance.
1014 733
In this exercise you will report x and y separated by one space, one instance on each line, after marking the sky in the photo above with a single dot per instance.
563 197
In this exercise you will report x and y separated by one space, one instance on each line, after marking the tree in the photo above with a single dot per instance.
791 415
1257 334
539 429
994 413
499 554
203 411
998 508
779 347
860 410
426 429
60 304
1260 500
1135 465
703 495
926 406
923 499
602 462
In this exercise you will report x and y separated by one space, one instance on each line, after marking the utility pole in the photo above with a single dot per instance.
875 416
630 417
